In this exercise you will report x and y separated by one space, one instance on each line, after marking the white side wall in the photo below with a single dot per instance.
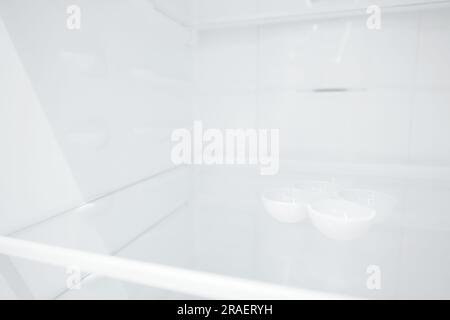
83 114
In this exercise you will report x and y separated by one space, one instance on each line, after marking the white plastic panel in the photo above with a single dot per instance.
112 91
388 112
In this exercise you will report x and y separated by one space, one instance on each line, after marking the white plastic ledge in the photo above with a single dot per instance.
190 282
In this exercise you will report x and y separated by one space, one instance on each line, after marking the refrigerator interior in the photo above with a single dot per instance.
86 124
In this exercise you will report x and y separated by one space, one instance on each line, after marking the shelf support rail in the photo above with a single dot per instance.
196 283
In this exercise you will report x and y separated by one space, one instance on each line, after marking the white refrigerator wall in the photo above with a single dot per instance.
289 76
